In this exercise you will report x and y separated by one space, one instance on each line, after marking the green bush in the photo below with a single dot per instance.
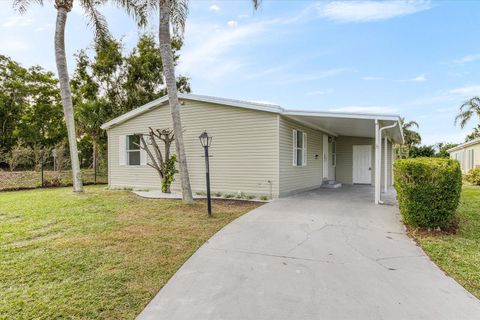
428 190
473 176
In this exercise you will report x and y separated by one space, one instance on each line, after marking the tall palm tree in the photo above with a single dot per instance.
97 21
173 13
467 110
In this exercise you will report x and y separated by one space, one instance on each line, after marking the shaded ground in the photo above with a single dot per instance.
18 180
99 255
459 254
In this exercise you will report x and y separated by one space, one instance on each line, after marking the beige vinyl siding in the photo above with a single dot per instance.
244 152
344 170
463 155
293 178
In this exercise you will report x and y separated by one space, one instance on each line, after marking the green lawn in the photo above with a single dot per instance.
99 255
459 254
32 179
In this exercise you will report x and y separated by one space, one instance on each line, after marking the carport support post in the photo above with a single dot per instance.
385 172
378 166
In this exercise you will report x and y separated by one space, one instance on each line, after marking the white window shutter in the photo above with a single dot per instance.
294 147
304 149
122 150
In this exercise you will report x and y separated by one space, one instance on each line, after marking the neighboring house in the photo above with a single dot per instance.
468 154
258 148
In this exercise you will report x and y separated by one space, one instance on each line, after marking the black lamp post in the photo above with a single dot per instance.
206 141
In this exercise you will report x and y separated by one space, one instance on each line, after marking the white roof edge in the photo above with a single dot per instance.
329 114
248 105
465 144
230 102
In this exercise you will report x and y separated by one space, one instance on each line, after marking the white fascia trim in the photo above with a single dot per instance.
465 144
135 112
326 114
228 102
234 103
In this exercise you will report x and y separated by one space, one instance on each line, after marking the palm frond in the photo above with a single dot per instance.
96 20
178 16
22 6
256 4
138 9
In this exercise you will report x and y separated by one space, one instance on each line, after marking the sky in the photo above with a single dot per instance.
417 59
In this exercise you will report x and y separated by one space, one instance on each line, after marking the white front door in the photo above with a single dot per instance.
325 157
362 164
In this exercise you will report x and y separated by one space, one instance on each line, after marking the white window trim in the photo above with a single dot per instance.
296 148
127 153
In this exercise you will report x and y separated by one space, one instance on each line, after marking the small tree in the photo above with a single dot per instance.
163 163
19 155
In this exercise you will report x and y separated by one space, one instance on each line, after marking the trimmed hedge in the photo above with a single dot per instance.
473 176
428 190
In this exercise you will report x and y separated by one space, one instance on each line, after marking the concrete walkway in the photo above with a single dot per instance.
324 254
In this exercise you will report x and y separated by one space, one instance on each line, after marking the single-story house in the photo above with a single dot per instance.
467 154
257 148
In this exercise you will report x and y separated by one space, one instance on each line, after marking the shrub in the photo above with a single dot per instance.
473 176
229 196
428 190
264 198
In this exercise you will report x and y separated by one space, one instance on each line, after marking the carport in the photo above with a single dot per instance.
382 128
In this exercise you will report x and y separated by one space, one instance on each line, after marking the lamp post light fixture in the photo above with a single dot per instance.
206 141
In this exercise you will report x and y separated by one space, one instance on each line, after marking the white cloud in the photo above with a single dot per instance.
315 76
320 92
211 49
468 58
214 8
470 90
44 27
232 23
419 78
371 78
365 109
13 45
363 11
17 21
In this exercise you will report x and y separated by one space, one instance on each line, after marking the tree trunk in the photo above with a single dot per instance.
94 146
67 96
169 72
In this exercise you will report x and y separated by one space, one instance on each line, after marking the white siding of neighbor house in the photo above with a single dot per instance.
462 156
293 178
244 152
344 168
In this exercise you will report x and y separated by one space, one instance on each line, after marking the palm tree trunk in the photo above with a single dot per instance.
67 96
94 145
169 72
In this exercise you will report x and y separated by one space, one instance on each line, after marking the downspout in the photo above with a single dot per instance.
380 154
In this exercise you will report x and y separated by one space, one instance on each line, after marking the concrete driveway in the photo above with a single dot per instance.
324 254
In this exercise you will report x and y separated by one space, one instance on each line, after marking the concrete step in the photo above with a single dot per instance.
331 184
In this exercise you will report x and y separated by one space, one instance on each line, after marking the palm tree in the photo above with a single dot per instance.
97 21
173 13
90 115
410 136
467 110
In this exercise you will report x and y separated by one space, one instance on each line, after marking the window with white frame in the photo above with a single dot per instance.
133 150
299 148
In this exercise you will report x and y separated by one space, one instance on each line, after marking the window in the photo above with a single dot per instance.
299 148
133 150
